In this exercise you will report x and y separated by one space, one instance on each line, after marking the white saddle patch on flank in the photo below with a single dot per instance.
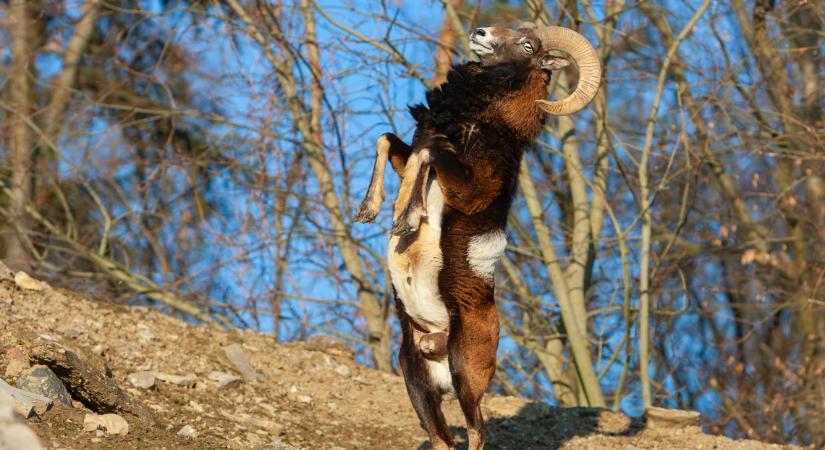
484 251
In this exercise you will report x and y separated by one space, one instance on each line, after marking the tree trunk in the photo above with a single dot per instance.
446 47
378 331
20 142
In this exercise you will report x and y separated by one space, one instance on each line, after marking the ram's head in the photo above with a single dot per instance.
538 47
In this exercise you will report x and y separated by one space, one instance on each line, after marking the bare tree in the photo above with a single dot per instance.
666 243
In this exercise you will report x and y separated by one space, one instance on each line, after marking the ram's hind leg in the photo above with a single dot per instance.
388 148
424 394
473 342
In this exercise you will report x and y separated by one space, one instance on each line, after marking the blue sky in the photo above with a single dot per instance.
233 77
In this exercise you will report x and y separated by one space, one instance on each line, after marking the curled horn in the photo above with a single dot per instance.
584 56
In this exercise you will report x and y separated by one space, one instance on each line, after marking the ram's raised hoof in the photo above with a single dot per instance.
366 214
402 228
409 221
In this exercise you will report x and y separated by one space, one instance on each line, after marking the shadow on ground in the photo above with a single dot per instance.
537 426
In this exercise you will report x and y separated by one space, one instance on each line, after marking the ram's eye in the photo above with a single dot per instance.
528 47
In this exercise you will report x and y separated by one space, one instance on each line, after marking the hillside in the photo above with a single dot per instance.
176 387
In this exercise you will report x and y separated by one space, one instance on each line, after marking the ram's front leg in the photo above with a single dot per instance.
410 205
468 188
388 148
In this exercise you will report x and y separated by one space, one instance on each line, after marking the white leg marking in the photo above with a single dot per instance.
440 375
484 252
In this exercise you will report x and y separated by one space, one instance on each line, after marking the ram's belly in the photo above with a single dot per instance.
414 264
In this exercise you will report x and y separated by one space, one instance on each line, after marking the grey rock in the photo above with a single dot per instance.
15 435
24 403
41 380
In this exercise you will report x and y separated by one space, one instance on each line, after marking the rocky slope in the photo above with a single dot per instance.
181 386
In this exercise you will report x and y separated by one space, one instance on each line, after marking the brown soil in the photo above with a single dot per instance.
313 395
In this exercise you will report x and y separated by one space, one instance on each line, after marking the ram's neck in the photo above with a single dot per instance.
517 110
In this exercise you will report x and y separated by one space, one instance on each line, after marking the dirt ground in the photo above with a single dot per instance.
311 395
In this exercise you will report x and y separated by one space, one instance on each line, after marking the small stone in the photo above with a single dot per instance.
143 380
18 362
180 380
41 380
188 431
224 379
24 281
343 370
145 332
112 424
71 332
663 418
304 398
236 355
196 407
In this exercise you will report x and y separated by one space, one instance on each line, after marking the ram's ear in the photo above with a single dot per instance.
526 26
553 62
